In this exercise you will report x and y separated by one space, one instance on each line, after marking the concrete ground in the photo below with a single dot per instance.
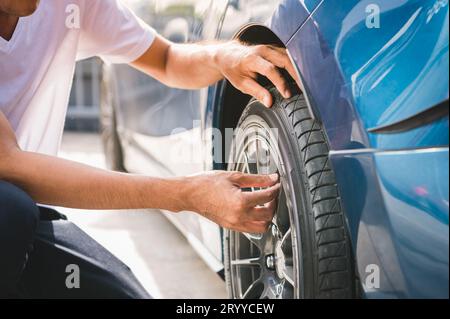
146 241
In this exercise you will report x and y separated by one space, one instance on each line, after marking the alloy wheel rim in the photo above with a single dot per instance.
264 266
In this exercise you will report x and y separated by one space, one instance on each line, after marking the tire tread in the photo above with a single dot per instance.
335 270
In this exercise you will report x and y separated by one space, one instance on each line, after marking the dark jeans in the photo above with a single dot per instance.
41 254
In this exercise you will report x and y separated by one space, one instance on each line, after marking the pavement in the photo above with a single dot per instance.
158 254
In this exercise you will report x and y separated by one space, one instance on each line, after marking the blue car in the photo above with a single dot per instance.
362 147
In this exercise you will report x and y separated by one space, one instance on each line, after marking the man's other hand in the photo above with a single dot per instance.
241 64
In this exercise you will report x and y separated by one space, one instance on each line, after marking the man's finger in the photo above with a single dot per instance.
260 228
262 197
254 227
264 213
271 71
250 180
280 58
253 88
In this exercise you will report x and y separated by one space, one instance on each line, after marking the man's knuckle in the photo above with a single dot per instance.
259 48
282 85
238 81
222 174
235 175
265 179
267 217
240 204
248 56
246 90
233 221
227 225
258 179
249 92
270 194
268 68
235 215
243 205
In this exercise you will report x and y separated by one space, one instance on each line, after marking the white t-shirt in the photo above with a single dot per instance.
37 64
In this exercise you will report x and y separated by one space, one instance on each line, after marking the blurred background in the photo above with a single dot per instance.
84 104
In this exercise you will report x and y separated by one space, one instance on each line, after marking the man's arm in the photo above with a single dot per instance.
217 196
192 66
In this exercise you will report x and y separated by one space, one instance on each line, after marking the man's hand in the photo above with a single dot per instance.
219 197
241 64
194 66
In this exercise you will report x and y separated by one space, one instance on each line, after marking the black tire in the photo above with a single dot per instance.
325 264
108 126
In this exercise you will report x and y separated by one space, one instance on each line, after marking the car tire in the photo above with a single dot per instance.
108 126
322 265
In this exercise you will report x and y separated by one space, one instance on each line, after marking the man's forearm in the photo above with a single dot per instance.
59 182
193 66
186 66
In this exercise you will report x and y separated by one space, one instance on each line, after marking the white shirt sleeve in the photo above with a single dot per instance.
113 32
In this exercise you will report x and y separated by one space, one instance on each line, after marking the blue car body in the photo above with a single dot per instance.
366 65
394 186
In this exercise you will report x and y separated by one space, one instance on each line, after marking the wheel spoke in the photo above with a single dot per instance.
246 169
288 270
288 273
251 153
258 169
272 290
246 165
251 262
266 163
255 239
286 236
252 290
